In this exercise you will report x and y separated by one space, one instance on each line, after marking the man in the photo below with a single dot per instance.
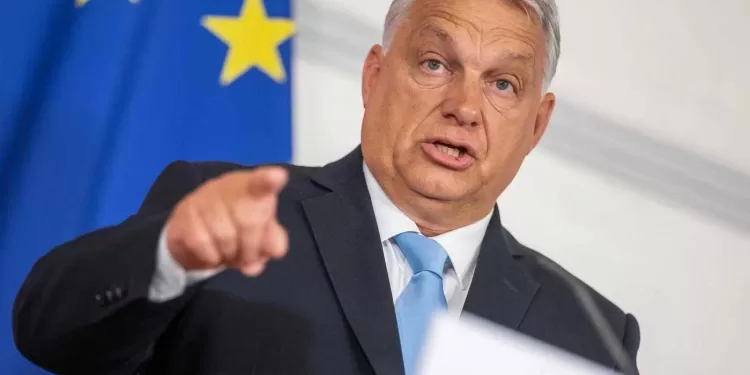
367 246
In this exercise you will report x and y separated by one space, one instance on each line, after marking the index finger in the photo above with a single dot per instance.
266 181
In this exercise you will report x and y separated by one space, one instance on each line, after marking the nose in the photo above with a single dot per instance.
463 102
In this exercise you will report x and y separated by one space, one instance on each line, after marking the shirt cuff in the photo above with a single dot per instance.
170 279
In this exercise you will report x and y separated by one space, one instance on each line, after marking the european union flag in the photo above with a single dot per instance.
97 96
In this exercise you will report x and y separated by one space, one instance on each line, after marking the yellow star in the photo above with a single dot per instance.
252 39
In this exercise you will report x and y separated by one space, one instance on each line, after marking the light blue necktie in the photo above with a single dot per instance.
423 295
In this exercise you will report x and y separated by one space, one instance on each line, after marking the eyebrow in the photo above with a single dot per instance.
516 56
430 30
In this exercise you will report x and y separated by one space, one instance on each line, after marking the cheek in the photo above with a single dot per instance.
415 108
507 137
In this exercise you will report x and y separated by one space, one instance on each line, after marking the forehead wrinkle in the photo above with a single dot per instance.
448 14
498 33
435 14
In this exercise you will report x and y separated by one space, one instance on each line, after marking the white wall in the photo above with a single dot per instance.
670 72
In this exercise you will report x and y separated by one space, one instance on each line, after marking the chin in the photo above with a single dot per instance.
438 183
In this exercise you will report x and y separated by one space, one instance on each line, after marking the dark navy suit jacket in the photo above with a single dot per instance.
325 309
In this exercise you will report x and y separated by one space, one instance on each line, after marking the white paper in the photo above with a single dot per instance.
474 346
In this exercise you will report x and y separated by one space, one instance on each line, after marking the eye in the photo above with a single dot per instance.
433 65
504 85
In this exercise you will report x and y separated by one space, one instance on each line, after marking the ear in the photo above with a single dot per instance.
543 115
371 72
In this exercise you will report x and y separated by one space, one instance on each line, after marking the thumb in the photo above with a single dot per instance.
266 181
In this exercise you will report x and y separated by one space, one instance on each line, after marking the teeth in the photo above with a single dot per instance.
448 150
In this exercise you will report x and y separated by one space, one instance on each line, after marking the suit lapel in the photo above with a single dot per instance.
345 230
501 290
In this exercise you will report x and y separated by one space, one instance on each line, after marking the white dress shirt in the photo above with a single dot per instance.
462 246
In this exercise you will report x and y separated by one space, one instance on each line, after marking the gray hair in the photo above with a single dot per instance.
544 10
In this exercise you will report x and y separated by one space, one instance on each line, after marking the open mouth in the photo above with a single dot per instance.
454 151
449 155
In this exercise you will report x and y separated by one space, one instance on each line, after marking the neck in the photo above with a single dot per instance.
428 232
432 216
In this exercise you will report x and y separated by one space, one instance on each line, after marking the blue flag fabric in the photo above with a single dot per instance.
98 96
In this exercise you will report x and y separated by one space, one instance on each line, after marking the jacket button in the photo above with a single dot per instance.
101 300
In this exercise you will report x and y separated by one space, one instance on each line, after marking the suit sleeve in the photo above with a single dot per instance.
632 339
84 307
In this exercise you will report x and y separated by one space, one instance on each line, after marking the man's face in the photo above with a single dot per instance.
455 105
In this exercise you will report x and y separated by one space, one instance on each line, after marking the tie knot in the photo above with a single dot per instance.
422 253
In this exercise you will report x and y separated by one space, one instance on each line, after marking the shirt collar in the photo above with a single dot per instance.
462 244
